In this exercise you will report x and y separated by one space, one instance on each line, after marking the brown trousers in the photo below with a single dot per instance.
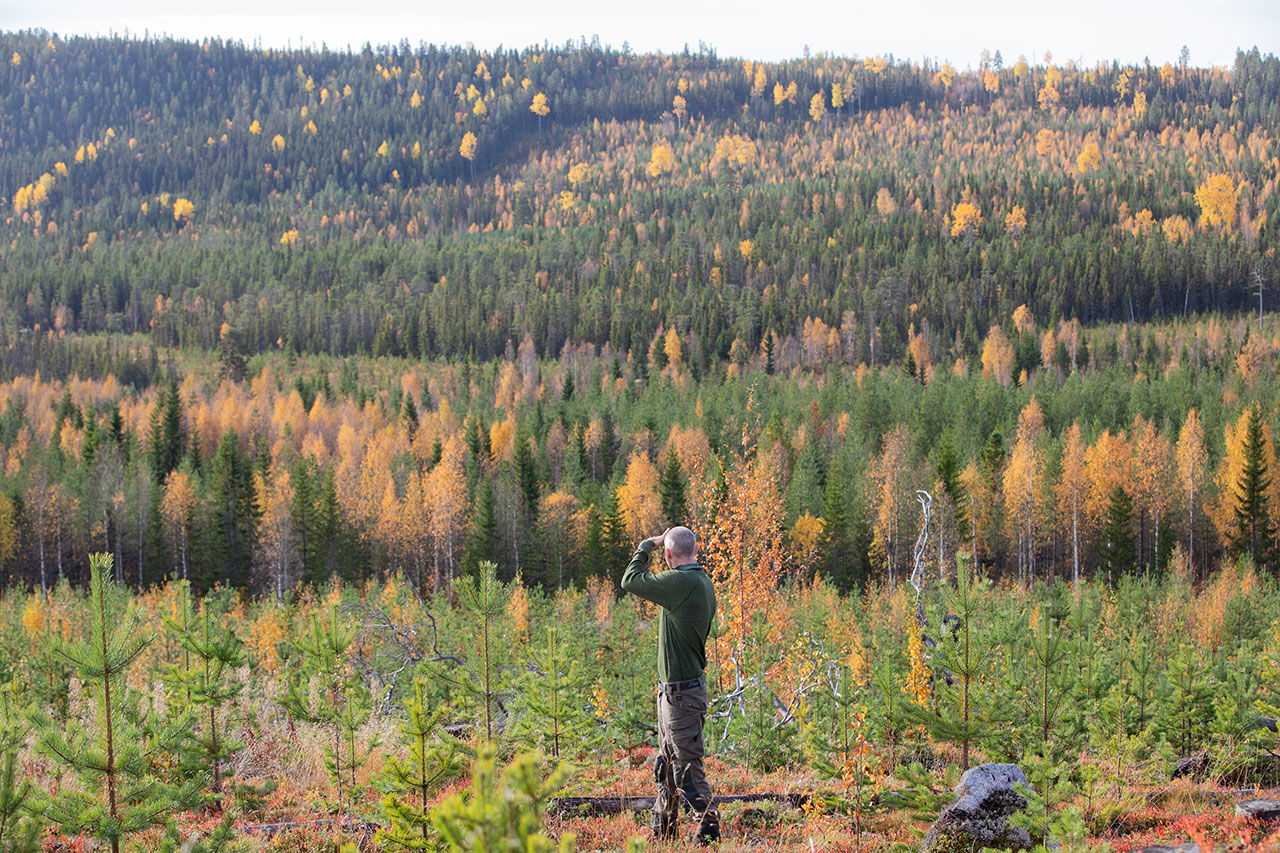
681 714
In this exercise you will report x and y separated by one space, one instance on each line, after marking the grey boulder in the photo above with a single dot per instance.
985 799
1259 809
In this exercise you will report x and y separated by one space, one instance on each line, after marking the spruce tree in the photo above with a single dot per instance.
231 355
594 560
805 493
614 536
1117 535
482 544
112 755
328 534
1253 534
527 476
305 515
671 492
946 470
410 414
474 439
608 445
166 444
836 544
580 448
233 511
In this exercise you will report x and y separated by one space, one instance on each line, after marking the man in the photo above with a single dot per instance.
688 605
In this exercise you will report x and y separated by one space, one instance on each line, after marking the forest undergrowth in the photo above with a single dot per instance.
371 708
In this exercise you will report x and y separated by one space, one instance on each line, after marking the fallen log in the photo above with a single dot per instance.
584 806
364 831
352 825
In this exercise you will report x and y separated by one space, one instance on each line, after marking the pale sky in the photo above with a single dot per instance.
954 30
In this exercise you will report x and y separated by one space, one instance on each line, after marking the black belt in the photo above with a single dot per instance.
682 685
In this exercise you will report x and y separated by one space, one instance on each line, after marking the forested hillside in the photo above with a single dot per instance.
275 316
449 201
361 375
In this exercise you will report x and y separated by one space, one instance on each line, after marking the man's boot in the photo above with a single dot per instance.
709 826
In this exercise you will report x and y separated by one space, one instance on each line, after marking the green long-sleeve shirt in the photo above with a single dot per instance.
688 601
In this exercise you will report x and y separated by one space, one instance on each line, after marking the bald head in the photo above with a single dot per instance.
681 546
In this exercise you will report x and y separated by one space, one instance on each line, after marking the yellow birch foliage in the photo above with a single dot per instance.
1176 229
1069 491
1089 159
1048 97
266 632
672 349
745 550
177 505
1190 453
997 356
1153 484
662 160
502 436
638 498
818 107
446 503
1219 200
692 449
888 494
1024 479
1109 463
468 147
1023 320
1044 140
916 685
1015 222
806 534
965 219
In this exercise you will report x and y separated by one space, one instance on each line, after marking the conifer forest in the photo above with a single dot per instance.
338 387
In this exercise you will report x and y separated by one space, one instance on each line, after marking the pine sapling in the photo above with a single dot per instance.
551 704
212 653
112 755
430 758
964 711
485 597
19 826
323 662
502 811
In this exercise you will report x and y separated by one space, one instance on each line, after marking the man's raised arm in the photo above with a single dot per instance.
638 580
